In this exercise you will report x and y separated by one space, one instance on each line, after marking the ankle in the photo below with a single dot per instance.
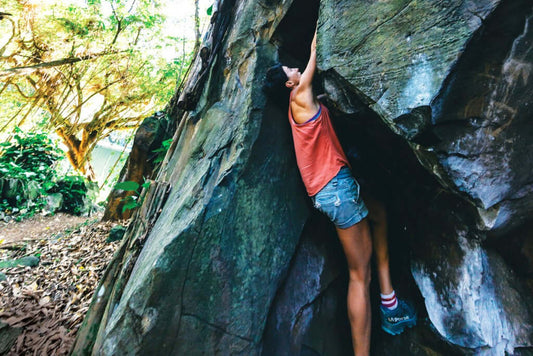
389 301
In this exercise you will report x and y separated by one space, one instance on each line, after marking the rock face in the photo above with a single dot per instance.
140 164
431 103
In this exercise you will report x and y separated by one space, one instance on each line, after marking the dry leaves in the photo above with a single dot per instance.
50 301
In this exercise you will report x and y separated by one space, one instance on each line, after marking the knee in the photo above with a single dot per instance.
361 276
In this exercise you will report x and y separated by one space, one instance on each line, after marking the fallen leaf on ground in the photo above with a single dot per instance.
49 301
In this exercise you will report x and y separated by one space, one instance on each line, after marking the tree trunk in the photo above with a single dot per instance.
78 152
196 26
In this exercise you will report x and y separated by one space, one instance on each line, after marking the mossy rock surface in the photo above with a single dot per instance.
27 261
116 233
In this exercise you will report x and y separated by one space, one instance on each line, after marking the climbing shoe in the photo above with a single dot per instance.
395 321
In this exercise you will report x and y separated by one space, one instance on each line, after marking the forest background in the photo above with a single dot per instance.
80 73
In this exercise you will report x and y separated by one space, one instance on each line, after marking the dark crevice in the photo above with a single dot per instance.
295 32
418 208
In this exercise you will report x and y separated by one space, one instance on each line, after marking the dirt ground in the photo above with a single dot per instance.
39 227
47 303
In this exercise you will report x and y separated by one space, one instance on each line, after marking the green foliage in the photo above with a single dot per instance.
128 186
162 151
31 155
91 67
132 201
28 174
75 190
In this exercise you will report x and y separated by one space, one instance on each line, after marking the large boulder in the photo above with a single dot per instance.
452 79
217 260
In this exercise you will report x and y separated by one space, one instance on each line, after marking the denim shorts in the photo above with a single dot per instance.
340 200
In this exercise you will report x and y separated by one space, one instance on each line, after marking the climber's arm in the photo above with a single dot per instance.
307 76
304 103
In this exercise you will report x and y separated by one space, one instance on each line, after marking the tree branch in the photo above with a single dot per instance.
20 91
55 63
3 49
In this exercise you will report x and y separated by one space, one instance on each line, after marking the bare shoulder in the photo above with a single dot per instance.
304 105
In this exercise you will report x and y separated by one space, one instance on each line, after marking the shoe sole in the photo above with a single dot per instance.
400 327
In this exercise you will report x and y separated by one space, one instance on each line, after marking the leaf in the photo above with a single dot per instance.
44 301
127 185
210 10
166 144
130 205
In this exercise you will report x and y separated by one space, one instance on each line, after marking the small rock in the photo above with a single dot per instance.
8 336
44 301
116 233
32 190
54 202
28 261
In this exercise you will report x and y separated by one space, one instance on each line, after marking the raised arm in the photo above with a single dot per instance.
304 104
309 72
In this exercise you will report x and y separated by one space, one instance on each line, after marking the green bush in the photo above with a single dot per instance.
74 190
32 154
28 175
27 171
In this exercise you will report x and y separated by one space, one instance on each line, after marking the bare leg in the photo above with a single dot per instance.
357 245
378 215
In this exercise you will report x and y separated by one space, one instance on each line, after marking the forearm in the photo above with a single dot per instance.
309 72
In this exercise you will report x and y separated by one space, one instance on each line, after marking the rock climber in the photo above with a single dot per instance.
327 176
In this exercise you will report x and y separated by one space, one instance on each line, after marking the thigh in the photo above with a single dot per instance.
357 245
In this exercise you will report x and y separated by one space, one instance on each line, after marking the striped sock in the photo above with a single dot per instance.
389 301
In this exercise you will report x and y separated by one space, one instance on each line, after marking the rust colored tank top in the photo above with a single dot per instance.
318 151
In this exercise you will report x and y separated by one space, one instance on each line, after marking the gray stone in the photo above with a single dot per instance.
8 337
482 307
32 190
398 53
312 295
54 202
116 233
477 128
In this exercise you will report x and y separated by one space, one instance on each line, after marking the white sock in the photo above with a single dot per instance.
389 301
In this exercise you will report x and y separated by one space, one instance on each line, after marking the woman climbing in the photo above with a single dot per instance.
326 174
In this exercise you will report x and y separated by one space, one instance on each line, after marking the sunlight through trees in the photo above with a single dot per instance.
83 69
